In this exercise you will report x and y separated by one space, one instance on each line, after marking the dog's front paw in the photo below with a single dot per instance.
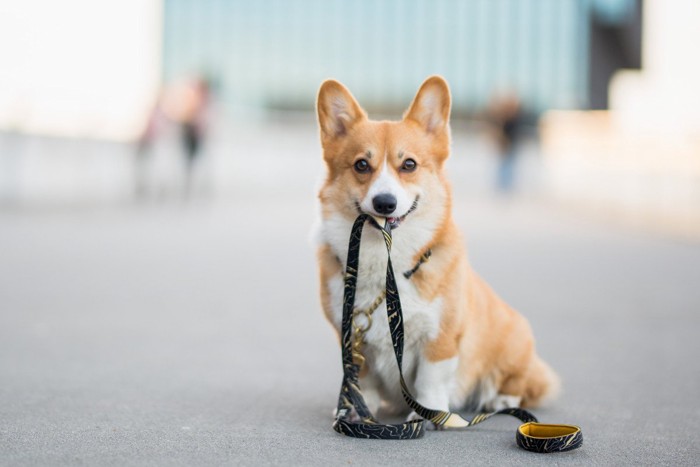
430 426
349 415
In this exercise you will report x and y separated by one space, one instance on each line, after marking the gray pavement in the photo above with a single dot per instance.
191 334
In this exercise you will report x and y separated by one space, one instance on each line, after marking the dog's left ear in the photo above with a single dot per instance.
431 106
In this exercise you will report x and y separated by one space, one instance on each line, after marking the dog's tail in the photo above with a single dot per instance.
543 384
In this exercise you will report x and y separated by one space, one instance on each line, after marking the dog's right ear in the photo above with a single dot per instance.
337 110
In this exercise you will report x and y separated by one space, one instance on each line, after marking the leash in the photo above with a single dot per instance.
531 435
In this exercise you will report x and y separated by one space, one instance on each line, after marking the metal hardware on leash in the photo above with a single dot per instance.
359 331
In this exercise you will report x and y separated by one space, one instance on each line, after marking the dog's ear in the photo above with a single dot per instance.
337 110
431 106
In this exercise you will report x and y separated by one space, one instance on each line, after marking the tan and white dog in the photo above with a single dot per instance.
464 346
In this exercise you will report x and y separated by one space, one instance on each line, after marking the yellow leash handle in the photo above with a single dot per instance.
545 438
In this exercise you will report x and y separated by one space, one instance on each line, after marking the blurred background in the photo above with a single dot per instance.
159 162
589 102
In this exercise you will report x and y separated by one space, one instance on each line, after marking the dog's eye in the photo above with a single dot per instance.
409 165
362 166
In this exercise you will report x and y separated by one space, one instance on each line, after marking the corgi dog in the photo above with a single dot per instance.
464 348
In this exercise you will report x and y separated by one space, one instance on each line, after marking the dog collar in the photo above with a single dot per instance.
408 274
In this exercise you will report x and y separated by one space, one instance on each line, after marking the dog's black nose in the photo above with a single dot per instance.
384 203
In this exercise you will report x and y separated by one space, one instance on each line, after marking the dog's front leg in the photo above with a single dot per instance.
369 386
434 383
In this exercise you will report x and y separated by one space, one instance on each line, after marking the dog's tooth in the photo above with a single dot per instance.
379 220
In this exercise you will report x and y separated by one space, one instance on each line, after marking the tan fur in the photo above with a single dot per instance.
493 342
329 266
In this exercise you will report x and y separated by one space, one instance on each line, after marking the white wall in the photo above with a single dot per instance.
79 68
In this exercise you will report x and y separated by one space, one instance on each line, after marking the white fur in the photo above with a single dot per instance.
429 110
421 318
435 382
483 395
503 401
386 182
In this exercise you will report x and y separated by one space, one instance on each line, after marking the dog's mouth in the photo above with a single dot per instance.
394 222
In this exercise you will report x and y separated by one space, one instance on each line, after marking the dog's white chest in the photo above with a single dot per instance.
421 317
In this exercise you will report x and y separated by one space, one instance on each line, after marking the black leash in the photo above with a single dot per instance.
531 436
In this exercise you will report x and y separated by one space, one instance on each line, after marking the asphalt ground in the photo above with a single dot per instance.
191 333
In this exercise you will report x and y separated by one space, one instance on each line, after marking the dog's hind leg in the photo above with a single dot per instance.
502 401
534 386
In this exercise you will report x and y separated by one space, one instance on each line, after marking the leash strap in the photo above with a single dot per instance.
531 435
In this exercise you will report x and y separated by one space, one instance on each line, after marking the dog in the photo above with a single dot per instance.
465 348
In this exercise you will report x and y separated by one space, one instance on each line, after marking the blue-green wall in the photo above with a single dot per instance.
275 53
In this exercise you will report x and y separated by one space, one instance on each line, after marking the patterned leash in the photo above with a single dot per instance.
531 435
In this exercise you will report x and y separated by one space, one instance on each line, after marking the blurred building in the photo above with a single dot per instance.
84 69
273 54
640 160
625 135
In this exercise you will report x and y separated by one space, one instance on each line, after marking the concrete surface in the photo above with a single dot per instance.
191 334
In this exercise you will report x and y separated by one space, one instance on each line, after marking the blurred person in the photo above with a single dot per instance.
176 125
188 105
505 115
